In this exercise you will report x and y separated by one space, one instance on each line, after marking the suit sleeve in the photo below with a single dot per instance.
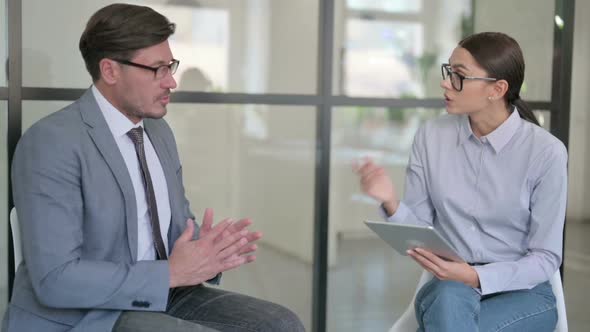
47 187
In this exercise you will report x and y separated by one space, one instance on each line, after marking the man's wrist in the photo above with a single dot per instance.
173 282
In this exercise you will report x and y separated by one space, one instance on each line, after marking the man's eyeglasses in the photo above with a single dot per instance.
159 72
457 79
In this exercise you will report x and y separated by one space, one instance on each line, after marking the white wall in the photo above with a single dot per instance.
579 149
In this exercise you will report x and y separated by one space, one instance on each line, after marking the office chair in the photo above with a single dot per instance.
16 243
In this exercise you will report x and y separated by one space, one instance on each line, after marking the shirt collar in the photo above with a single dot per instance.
500 137
118 123
497 138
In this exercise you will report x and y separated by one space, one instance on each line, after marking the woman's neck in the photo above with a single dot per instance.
487 120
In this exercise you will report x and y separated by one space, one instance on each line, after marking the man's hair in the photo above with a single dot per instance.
117 31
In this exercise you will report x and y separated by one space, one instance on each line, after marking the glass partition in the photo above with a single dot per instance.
366 290
3 205
3 43
252 46
393 49
531 23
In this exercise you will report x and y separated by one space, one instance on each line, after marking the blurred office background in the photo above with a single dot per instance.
265 84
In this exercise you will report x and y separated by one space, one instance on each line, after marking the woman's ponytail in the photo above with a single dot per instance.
524 110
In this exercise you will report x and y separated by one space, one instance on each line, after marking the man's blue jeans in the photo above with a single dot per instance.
454 306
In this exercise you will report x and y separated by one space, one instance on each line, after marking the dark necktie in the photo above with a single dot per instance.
136 135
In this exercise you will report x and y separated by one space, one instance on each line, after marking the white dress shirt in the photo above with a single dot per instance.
119 125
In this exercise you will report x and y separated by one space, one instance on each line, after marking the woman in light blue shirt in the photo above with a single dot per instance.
493 182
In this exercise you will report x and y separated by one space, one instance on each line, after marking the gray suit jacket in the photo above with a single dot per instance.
78 219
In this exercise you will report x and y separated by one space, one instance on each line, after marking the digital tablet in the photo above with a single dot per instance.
404 237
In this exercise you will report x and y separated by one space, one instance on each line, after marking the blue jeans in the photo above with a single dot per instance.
454 306
207 309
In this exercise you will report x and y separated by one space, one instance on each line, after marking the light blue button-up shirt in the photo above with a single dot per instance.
499 199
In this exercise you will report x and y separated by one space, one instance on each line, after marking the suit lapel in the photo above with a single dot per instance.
106 145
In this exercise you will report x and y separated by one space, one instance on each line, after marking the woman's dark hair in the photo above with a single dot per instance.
501 57
117 31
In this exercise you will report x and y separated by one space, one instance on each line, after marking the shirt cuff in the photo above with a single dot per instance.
486 286
400 214
215 280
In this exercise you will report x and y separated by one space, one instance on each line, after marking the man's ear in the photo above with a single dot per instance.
110 71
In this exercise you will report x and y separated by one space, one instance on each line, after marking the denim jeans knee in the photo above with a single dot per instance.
447 306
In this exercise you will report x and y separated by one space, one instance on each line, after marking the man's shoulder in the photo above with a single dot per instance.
62 123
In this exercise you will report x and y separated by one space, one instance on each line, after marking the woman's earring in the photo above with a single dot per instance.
490 98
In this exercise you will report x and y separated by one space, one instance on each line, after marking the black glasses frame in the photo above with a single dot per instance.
447 71
159 71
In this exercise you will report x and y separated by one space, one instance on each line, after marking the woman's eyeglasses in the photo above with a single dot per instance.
457 79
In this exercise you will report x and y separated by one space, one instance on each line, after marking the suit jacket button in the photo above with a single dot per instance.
141 304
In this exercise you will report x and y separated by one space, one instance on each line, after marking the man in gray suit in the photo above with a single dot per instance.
109 241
